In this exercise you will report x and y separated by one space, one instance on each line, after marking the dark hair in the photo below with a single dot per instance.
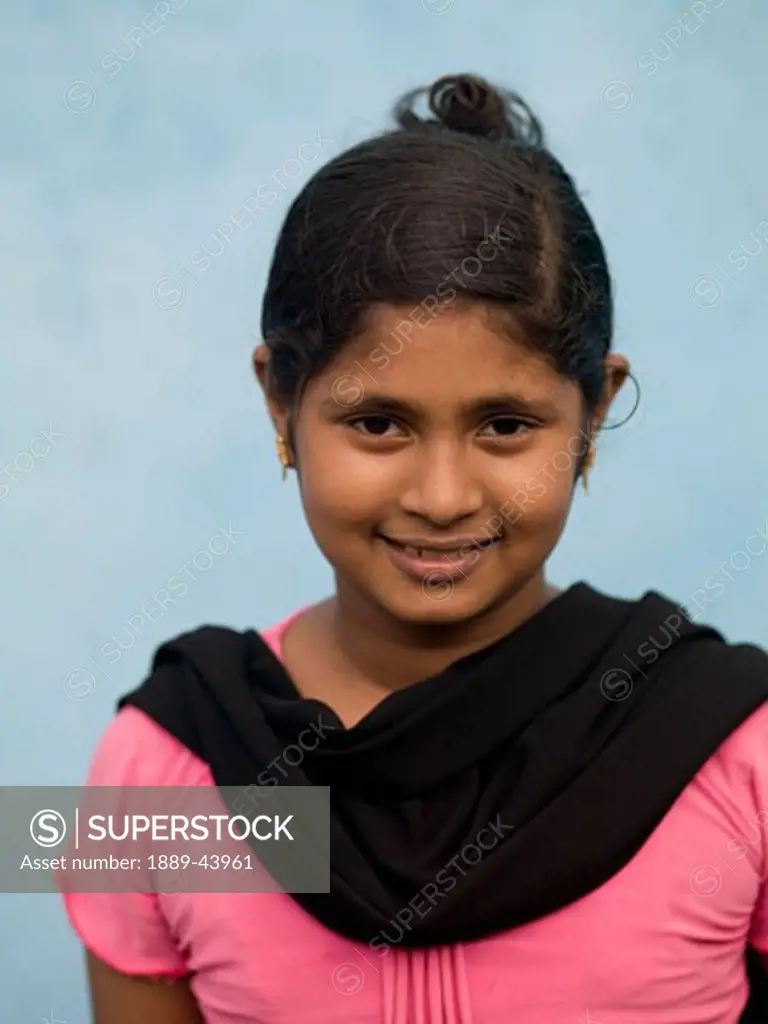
391 219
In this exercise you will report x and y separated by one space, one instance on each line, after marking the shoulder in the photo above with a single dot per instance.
746 749
210 643
741 670
133 750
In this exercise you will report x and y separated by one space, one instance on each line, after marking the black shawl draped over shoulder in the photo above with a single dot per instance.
586 722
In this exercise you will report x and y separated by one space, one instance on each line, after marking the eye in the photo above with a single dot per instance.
507 426
373 426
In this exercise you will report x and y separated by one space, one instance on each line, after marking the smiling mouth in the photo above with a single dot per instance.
420 560
459 549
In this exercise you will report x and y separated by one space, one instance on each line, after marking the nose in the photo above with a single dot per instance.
442 489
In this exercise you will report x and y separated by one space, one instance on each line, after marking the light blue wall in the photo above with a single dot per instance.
125 147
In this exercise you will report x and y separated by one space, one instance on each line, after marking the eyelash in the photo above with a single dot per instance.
522 425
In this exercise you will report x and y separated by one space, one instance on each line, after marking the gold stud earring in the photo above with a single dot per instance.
282 454
586 469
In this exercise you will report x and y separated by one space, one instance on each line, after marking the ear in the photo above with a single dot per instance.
278 415
616 373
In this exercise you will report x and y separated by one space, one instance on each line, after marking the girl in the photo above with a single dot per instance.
547 805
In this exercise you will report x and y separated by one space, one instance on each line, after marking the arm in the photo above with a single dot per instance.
136 972
122 999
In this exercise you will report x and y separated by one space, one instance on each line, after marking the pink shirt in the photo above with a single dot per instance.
660 943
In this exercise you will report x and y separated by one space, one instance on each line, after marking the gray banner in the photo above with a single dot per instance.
165 839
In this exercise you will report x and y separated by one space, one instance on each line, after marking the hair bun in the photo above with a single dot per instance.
468 103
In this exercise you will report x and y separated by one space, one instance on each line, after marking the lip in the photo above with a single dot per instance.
420 559
455 544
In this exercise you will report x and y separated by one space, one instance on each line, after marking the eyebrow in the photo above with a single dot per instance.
502 403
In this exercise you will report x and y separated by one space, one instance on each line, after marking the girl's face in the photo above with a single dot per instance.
436 463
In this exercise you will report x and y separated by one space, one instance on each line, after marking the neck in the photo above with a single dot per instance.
392 654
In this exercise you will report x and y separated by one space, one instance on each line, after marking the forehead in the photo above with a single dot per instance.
457 354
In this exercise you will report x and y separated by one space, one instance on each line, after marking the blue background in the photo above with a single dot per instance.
125 147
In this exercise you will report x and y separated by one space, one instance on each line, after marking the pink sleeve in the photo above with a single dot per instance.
753 740
128 930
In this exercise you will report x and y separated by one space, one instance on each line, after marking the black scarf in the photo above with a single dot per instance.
571 737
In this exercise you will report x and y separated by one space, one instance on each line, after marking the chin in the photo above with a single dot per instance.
437 604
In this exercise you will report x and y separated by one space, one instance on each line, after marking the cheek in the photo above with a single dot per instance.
341 487
536 496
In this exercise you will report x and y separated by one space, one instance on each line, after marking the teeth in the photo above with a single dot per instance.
441 553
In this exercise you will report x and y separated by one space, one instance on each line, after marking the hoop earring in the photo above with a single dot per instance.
586 469
283 455
633 410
